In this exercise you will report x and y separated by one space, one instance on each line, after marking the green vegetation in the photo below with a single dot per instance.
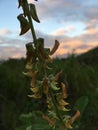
89 57
47 108
81 79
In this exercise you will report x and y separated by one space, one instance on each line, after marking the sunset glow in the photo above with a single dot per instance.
73 24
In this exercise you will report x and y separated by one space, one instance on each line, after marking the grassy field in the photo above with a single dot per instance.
80 75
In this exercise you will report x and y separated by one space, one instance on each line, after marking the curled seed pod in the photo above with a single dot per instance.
55 47
63 108
34 78
64 90
29 65
77 114
54 87
36 96
24 24
29 73
62 102
45 85
34 13
34 89
58 75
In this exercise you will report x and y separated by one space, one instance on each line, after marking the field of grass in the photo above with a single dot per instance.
80 74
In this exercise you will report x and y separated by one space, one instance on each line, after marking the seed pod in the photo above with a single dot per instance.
62 102
34 13
36 96
24 24
34 89
54 87
29 73
29 65
58 75
77 114
34 78
64 91
45 85
54 49
63 108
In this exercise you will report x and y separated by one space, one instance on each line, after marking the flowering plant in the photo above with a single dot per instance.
37 56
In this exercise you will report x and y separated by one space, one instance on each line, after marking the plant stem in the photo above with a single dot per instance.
34 38
55 105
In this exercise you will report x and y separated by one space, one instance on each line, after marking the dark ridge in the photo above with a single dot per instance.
90 57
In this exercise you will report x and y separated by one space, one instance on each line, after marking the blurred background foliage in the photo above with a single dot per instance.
80 74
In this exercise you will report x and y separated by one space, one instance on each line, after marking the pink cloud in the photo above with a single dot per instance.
78 45
4 31
11 52
63 31
91 31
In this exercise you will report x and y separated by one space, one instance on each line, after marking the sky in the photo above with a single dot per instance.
74 23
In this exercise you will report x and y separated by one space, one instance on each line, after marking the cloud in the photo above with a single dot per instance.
91 31
15 47
67 10
57 12
91 24
5 31
11 46
11 52
63 31
91 27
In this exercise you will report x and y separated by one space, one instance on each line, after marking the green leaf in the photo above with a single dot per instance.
29 127
26 117
81 104
23 127
24 24
34 13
